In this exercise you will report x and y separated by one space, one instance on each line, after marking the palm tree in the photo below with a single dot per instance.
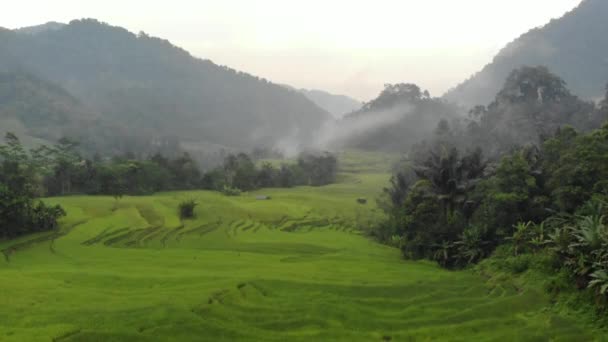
520 236
443 253
590 232
472 245
599 281
452 177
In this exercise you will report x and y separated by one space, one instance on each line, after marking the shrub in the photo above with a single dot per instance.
518 264
186 209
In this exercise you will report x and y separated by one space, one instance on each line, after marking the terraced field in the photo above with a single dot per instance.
293 268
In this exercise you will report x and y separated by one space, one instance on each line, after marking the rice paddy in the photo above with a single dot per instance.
296 267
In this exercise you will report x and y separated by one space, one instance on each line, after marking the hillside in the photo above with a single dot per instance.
42 112
32 107
149 86
574 47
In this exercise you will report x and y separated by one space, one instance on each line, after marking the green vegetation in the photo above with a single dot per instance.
239 173
493 227
295 267
546 196
60 170
19 213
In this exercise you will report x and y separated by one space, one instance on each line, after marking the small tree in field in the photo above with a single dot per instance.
186 209
118 190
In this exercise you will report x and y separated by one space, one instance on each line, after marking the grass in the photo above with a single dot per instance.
292 268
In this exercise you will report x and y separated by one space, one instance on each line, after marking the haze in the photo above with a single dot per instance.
346 47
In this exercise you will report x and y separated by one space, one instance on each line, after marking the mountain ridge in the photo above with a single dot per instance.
153 87
573 46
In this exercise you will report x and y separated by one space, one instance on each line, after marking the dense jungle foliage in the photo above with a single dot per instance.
455 204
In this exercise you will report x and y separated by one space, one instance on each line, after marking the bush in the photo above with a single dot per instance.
519 263
20 214
186 209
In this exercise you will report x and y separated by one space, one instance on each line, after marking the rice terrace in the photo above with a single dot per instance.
296 267
323 171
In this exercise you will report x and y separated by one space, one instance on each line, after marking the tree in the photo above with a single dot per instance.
576 165
319 169
17 171
429 208
19 213
532 105
515 193
451 176
186 209
239 172
266 176
400 184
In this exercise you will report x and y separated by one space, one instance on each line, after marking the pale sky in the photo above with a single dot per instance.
346 47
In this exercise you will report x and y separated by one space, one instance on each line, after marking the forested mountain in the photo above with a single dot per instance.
337 105
574 47
399 117
532 106
154 89
37 108
43 112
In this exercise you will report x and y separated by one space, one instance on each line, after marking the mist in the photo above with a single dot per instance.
336 133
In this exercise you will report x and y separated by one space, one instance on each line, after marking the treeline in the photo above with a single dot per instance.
456 204
60 170
240 173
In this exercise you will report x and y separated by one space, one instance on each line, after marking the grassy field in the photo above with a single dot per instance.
293 268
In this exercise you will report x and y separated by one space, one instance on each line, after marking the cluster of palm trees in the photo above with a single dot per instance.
431 205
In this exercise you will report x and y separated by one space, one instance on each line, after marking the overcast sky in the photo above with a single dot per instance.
344 46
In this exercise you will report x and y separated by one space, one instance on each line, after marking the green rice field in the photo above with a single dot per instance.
296 267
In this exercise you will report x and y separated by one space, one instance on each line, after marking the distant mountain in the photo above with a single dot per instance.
337 105
153 89
575 47
50 26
